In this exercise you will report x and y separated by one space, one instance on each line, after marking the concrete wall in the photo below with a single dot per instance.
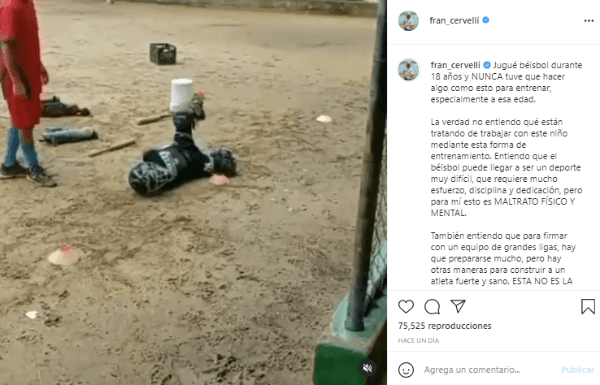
341 7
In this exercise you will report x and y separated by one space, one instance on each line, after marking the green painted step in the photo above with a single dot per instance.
339 351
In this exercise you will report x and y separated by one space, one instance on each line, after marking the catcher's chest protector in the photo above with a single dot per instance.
168 156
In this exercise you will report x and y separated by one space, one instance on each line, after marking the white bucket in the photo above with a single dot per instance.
182 91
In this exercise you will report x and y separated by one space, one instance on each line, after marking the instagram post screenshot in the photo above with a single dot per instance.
194 192
493 192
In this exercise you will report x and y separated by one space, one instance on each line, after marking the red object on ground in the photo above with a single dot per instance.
202 92
66 250
18 21
218 179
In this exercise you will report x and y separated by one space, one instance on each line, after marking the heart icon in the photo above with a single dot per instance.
406 306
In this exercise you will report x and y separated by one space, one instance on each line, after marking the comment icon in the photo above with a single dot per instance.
432 307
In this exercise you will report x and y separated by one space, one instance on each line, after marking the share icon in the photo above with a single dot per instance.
458 303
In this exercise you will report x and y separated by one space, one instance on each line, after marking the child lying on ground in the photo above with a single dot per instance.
169 165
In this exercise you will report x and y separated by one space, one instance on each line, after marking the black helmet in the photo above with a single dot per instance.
146 178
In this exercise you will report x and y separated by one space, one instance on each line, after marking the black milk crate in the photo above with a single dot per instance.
162 54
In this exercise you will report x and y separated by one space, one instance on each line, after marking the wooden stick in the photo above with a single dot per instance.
152 119
156 118
117 146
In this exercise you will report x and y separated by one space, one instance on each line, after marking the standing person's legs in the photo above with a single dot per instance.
28 146
11 168
12 146
37 175
25 115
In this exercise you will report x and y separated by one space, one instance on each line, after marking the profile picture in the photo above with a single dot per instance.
408 21
409 70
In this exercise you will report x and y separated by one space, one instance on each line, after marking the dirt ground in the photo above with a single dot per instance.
204 284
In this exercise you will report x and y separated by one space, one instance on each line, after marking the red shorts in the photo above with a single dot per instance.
24 113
